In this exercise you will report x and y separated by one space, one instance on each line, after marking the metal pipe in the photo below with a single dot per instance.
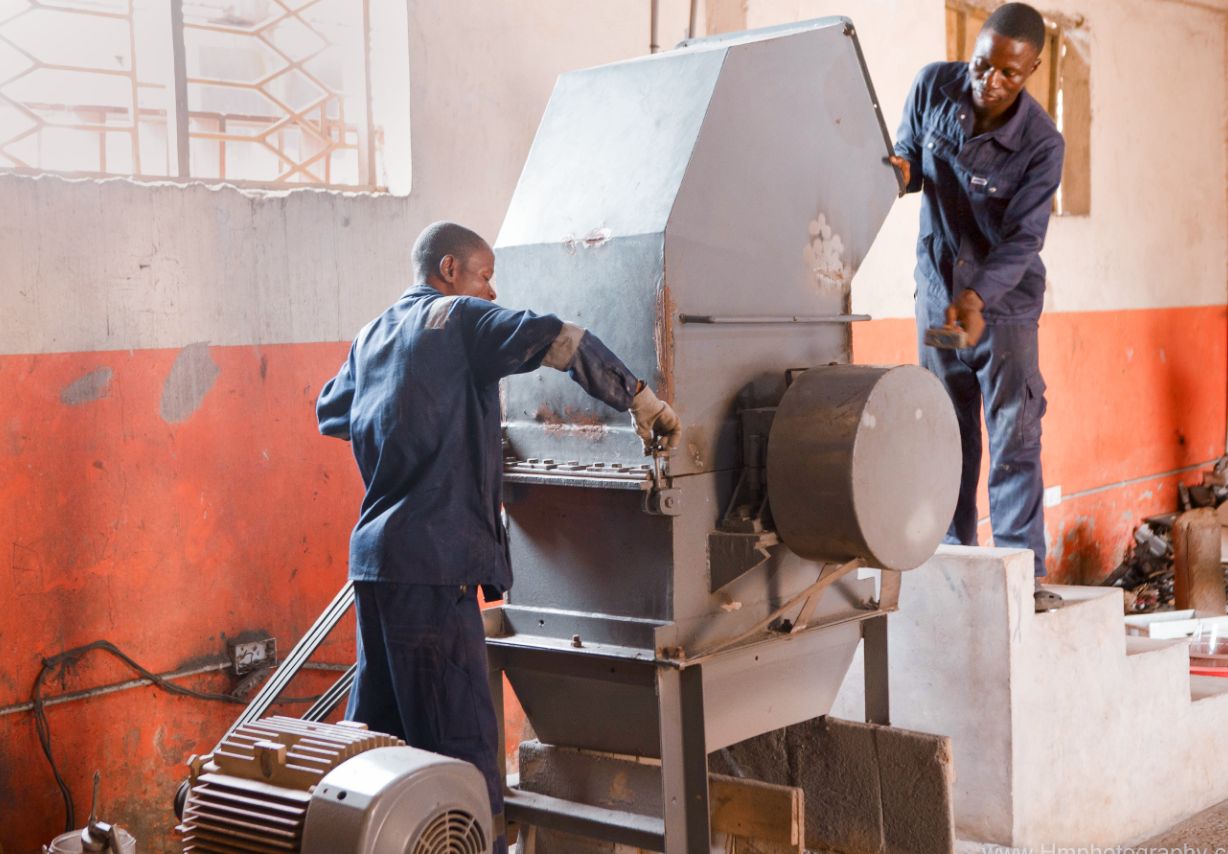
129 684
690 27
112 688
796 318
654 14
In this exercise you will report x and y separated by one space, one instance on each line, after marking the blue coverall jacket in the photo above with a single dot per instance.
418 398
985 199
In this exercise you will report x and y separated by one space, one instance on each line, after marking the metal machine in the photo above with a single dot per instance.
704 211
284 784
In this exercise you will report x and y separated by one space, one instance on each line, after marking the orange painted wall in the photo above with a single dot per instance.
163 538
1132 395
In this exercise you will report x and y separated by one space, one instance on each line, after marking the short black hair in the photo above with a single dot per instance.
1018 21
440 239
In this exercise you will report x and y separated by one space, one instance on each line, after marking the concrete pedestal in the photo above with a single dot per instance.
1064 731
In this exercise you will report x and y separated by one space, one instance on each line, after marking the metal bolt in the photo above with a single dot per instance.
575 641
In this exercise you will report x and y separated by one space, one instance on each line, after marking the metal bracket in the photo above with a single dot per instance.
661 500
744 535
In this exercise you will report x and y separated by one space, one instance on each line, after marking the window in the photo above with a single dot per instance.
1061 84
270 92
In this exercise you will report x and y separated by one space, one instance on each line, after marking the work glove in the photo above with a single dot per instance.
966 310
655 419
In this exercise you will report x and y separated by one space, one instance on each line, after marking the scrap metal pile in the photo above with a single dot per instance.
1146 572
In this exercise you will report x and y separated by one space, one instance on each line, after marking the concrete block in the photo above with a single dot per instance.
916 775
1045 711
868 788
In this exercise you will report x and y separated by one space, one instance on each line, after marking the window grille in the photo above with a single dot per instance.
266 92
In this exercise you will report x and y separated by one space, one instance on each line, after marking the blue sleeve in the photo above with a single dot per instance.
602 374
1023 225
333 405
908 137
501 342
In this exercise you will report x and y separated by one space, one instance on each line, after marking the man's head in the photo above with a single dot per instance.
1007 52
454 261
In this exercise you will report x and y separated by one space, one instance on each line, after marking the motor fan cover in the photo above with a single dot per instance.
399 800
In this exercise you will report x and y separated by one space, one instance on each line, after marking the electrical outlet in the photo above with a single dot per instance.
246 656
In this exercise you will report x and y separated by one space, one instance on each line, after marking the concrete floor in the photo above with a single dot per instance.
1208 830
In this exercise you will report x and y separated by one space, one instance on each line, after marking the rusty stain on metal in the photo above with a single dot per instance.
663 338
620 788
571 420
596 237
696 446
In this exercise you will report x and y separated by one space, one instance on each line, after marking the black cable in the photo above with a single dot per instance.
70 657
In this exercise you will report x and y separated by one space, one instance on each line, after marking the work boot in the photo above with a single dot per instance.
1045 600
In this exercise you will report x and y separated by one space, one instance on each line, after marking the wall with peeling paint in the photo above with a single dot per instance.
162 483
1135 325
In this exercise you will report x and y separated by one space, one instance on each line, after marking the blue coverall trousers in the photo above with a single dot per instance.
1003 372
422 674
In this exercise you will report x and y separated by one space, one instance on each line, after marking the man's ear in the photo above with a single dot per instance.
447 268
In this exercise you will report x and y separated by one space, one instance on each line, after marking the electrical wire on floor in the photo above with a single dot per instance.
70 657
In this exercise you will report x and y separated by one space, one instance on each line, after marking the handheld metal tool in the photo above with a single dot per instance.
946 338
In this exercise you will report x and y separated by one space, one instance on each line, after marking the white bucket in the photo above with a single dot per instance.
70 843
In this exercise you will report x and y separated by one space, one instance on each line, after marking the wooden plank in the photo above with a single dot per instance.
1076 190
955 33
764 817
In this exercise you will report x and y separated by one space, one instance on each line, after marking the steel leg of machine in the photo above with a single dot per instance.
878 700
684 760
494 678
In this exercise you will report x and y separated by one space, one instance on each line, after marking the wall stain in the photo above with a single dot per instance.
190 379
93 386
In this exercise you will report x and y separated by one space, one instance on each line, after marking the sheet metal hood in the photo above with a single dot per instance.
738 177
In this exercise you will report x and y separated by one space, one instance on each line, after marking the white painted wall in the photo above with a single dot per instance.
103 265
87 265
1158 232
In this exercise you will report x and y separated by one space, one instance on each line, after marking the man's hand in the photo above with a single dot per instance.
903 167
655 419
966 311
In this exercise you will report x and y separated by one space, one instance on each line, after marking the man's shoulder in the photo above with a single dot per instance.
939 74
1039 130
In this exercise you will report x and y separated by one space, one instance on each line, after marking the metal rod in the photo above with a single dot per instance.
179 130
134 89
366 130
654 13
796 318
321 708
113 688
690 27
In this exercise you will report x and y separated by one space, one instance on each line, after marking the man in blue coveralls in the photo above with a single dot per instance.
987 159
418 399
